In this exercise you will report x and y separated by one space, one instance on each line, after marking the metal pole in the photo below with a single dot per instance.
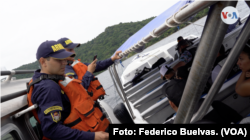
227 67
8 97
209 46
10 76
7 72
25 111
115 84
123 93
13 72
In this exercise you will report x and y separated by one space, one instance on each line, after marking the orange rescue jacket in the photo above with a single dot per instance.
95 88
30 90
85 114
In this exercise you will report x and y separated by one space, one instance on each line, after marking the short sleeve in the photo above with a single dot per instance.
186 56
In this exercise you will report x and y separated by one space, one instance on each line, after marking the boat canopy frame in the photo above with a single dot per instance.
175 20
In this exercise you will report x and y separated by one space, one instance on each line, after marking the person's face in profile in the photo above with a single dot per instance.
53 66
244 62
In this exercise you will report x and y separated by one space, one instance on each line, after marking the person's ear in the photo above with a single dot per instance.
172 105
43 62
166 76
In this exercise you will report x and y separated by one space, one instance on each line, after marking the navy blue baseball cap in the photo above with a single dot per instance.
67 43
52 49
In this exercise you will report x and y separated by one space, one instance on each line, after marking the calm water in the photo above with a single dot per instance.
113 98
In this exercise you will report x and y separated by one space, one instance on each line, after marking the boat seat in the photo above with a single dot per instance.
150 87
148 77
158 112
161 61
150 99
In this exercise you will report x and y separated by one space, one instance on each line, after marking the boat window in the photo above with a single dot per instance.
36 127
11 136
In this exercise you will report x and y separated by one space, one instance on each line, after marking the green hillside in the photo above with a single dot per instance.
105 44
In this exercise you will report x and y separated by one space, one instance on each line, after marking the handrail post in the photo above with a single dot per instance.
209 46
10 76
122 90
110 72
25 110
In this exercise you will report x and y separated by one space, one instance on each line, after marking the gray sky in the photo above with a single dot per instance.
25 24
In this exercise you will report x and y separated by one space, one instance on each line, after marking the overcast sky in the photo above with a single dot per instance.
25 24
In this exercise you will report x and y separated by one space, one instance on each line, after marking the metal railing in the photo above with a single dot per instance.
123 93
13 72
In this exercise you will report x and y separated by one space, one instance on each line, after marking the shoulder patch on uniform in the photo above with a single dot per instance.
52 109
56 116
69 73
